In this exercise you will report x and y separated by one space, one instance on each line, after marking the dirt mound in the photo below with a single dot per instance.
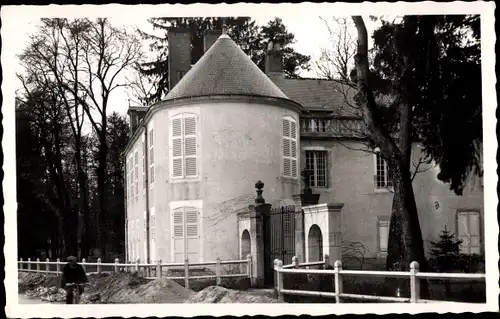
105 288
155 291
216 294
30 281
49 294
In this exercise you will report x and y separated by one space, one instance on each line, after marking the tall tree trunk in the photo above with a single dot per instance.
102 231
398 157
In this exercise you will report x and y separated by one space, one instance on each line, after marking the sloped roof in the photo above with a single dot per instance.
223 70
319 94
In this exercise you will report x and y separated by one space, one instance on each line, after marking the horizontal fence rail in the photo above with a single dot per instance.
337 272
149 270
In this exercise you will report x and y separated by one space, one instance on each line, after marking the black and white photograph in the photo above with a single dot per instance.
320 155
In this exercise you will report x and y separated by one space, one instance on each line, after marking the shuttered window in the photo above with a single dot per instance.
131 177
136 172
132 239
186 234
127 168
383 235
184 146
151 158
144 166
152 234
137 237
289 147
468 231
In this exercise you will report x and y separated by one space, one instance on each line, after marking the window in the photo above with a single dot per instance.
136 172
151 158
131 178
137 237
184 147
132 239
127 168
144 182
383 234
185 233
316 162
152 234
289 147
383 178
468 231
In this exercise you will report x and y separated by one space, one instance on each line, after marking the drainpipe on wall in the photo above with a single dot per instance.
146 182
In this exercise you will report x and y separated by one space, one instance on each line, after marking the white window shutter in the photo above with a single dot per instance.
463 232
192 234
286 128
190 146
383 235
177 165
178 235
290 165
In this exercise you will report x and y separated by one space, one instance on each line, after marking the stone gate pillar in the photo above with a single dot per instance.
306 198
256 215
328 217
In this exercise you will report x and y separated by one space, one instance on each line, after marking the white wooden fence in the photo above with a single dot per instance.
414 275
157 268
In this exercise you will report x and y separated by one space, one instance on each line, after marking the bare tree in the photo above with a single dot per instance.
336 61
86 60
142 87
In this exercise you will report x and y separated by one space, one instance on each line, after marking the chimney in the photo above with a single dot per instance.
209 38
179 54
136 114
274 60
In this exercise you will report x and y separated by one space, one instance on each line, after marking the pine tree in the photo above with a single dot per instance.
446 254
446 251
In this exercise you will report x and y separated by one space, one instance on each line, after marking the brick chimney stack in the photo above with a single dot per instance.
274 60
136 114
209 38
179 54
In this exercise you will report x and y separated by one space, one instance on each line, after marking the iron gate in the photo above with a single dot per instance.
279 239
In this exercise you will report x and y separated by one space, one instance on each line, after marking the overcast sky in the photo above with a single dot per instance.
310 31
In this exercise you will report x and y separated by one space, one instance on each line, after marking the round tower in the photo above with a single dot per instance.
224 126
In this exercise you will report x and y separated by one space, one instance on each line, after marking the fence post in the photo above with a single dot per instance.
38 264
58 266
158 268
295 262
29 264
137 265
83 263
217 272
279 275
327 261
98 265
249 270
414 282
275 274
338 280
21 267
186 273
47 266
116 264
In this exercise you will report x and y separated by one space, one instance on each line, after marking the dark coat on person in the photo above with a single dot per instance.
74 274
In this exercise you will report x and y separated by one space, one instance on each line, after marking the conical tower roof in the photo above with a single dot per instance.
225 70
